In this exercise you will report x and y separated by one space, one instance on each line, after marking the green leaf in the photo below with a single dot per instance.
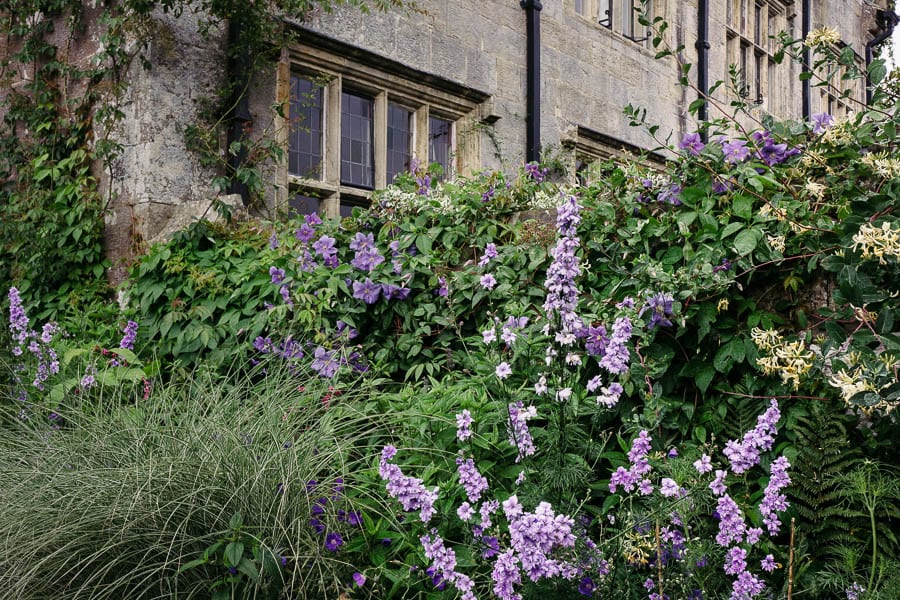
128 355
686 218
233 553
722 361
746 241
212 549
877 71
730 229
610 501
248 568
700 434
236 521
221 594
191 564
743 207
423 243
704 377
885 323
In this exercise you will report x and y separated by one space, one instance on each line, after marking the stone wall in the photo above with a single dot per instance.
155 172
588 73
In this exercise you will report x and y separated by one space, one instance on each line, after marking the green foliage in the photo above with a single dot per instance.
54 135
205 294
201 296
823 453
240 556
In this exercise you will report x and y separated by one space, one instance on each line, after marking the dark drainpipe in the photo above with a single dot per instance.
702 46
533 79
240 118
886 20
805 25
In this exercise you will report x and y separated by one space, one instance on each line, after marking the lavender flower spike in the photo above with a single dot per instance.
130 335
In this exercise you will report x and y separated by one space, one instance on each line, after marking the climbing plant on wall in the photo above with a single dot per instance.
64 65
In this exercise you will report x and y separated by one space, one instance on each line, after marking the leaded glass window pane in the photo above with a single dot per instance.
399 139
357 135
305 137
440 142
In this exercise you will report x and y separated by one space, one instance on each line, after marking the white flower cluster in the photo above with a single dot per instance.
394 199
877 242
544 201
839 134
823 36
882 164
789 360
815 189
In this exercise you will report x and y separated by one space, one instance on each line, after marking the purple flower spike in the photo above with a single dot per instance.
130 335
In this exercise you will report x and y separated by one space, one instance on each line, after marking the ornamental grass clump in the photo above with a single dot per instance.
126 500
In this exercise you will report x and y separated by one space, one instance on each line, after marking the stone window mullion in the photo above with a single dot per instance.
381 125
332 167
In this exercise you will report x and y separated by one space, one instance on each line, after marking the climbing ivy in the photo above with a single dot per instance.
57 112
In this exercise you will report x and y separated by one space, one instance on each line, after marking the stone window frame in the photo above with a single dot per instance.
749 45
585 147
340 67
596 12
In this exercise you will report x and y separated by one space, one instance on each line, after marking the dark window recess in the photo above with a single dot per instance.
757 25
399 138
582 164
348 203
744 91
631 27
305 137
757 77
357 135
303 205
439 142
